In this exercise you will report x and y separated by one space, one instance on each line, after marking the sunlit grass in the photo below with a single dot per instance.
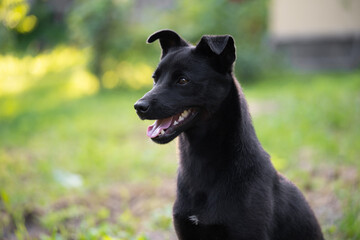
59 138
21 74
129 75
14 15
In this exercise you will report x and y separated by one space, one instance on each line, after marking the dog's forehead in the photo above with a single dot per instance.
180 58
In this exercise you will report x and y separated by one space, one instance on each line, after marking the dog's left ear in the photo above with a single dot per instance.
221 47
168 40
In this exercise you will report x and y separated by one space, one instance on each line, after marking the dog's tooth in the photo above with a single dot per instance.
175 123
181 118
185 114
162 132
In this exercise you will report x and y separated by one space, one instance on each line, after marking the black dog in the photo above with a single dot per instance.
227 187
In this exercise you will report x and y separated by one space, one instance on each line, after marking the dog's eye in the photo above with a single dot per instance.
182 81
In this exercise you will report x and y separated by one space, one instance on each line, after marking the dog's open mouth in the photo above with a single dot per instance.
173 125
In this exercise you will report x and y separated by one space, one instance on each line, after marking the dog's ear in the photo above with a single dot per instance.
168 40
221 47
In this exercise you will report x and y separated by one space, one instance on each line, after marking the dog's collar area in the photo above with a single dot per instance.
163 126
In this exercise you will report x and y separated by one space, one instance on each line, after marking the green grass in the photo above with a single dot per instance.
82 167
317 111
98 140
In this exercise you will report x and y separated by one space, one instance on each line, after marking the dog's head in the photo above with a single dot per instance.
190 83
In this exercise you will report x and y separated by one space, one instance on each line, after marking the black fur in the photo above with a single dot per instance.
227 187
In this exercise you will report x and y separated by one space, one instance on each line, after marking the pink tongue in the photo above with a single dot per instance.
155 129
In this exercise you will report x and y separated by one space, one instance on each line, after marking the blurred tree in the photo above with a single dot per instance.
114 31
31 26
51 29
101 25
15 18
245 20
14 15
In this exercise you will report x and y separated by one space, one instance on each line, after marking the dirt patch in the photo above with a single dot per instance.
138 201
327 180
326 206
143 201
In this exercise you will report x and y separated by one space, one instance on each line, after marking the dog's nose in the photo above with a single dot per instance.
142 106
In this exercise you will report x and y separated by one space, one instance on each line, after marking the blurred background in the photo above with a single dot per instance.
75 162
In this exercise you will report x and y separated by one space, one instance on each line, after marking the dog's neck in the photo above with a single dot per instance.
203 144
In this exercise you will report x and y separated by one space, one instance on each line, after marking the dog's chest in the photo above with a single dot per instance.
192 227
199 208
194 219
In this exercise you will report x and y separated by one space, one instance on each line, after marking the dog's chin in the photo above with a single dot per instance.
165 139
178 125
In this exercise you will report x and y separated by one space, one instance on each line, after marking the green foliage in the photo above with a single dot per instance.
50 29
115 30
101 25
246 21
13 19
14 15
30 26
6 40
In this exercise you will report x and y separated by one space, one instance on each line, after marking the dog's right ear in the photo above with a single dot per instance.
221 47
168 40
